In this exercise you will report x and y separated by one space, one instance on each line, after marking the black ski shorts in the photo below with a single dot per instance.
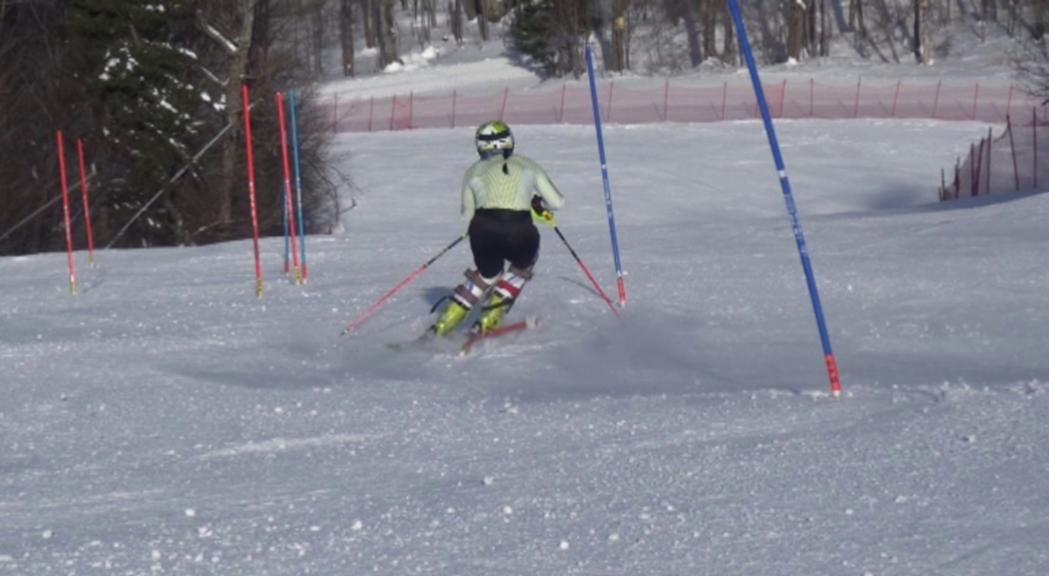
498 236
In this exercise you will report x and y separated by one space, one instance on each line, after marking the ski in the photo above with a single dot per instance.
429 341
474 338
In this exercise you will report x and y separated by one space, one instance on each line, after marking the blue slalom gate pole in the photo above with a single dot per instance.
298 185
799 237
620 285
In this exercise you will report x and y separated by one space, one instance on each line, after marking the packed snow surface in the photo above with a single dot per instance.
165 421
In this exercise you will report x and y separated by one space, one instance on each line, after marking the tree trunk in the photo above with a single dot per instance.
811 24
620 60
728 53
919 48
1038 28
708 14
317 36
237 74
795 29
695 49
346 35
262 32
825 29
860 27
367 17
482 19
455 8
383 15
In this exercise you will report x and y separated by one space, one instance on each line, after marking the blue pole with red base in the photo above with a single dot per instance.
620 285
781 170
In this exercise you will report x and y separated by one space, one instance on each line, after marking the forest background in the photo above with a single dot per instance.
154 89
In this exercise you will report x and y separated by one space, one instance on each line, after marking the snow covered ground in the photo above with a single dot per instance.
166 421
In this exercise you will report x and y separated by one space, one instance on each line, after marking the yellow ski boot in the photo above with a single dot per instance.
453 314
493 313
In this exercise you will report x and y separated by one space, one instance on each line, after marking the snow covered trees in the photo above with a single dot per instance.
148 86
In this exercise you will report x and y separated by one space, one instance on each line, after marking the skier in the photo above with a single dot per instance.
500 192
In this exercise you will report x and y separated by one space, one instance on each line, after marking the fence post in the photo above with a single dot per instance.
812 97
454 94
371 112
506 96
957 177
976 96
1012 148
393 108
411 108
936 98
990 140
724 98
608 109
564 87
972 168
856 106
666 100
896 97
782 98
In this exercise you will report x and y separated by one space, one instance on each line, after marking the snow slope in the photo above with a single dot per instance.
166 421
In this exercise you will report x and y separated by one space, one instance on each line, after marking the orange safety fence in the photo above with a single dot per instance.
1015 161
627 103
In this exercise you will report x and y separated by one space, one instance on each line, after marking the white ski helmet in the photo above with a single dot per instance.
493 138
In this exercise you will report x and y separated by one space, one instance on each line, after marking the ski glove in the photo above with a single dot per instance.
540 212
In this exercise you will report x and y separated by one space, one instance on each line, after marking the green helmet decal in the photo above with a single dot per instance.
493 138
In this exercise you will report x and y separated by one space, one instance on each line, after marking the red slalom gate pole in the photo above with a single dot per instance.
289 204
65 210
251 188
400 285
87 208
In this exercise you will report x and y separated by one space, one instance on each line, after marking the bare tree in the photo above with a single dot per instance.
241 15
346 35
316 20
919 44
795 28
368 19
455 11
383 23
620 48
482 19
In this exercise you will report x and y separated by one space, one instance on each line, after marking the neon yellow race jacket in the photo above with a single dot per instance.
487 185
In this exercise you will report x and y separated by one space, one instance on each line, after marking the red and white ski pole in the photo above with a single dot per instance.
547 218
400 285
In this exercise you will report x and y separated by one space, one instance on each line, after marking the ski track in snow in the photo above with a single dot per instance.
166 421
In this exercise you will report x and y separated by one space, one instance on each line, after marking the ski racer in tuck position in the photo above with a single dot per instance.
500 192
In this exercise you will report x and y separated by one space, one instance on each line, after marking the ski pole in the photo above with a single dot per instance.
400 285
547 217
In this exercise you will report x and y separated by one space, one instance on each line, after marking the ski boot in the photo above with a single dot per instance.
463 299
451 317
502 299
